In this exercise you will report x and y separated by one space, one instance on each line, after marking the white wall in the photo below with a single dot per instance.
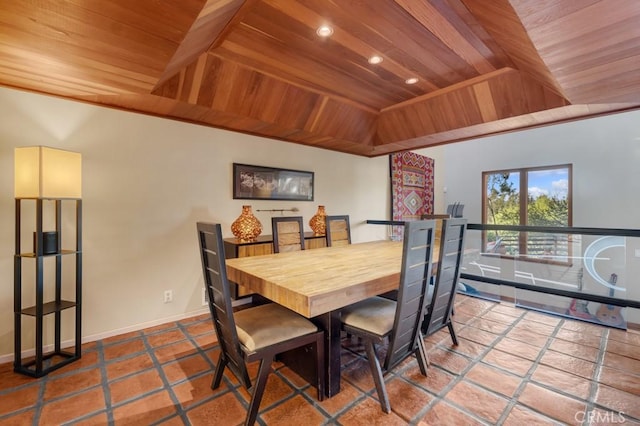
604 151
146 181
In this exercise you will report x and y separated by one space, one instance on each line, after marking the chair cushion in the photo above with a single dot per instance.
375 315
269 324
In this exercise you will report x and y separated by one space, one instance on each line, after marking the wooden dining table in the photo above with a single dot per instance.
318 283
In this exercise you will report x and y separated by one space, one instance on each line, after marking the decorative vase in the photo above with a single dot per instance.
318 222
246 227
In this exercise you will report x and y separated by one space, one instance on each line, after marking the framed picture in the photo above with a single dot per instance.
268 183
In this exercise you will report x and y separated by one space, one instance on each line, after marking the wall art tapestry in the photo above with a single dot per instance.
411 188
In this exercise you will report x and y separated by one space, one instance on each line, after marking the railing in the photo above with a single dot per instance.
591 274
584 273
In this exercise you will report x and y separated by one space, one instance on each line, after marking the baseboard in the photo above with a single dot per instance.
99 336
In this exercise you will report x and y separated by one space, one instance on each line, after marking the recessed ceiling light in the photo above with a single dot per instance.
412 80
375 59
324 31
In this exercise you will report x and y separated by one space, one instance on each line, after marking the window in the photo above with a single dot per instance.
547 203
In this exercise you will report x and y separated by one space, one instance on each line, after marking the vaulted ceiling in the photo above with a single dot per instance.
258 66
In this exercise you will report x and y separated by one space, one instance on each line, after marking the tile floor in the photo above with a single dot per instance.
512 367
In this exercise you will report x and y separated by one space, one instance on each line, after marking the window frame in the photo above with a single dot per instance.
523 192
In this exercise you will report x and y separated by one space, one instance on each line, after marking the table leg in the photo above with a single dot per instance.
330 323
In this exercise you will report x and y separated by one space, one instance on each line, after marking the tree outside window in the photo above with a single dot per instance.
547 203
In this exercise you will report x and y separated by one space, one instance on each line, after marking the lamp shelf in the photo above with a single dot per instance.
49 308
61 253
43 363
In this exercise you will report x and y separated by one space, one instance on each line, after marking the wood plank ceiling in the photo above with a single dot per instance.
258 66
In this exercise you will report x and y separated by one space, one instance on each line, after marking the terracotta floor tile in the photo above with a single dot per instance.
526 335
186 367
624 349
88 359
618 401
521 349
567 363
22 419
588 353
474 399
347 395
521 415
406 400
146 410
134 386
495 327
494 315
479 336
601 417
623 380
224 410
128 366
579 337
558 379
196 390
583 327
444 414
494 379
359 375
496 366
166 337
67 409
435 381
99 419
60 386
9 379
119 350
295 411
621 362
511 363
275 391
551 403
201 327
539 317
631 337
17 400
206 341
508 309
369 413
469 348
448 360
174 351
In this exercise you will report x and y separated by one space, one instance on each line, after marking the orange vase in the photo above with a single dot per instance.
318 222
246 227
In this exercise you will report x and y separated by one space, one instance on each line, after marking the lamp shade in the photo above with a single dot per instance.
42 172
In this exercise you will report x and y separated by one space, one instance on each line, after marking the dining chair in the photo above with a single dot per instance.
253 334
377 319
288 233
440 307
338 230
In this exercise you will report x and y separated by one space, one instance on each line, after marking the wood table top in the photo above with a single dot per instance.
314 282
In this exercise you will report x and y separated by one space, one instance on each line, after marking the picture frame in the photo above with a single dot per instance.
270 183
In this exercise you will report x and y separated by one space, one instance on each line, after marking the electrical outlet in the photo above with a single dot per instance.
205 297
168 296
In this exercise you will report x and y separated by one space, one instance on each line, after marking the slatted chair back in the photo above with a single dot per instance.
414 280
338 230
219 292
288 233
438 218
444 291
